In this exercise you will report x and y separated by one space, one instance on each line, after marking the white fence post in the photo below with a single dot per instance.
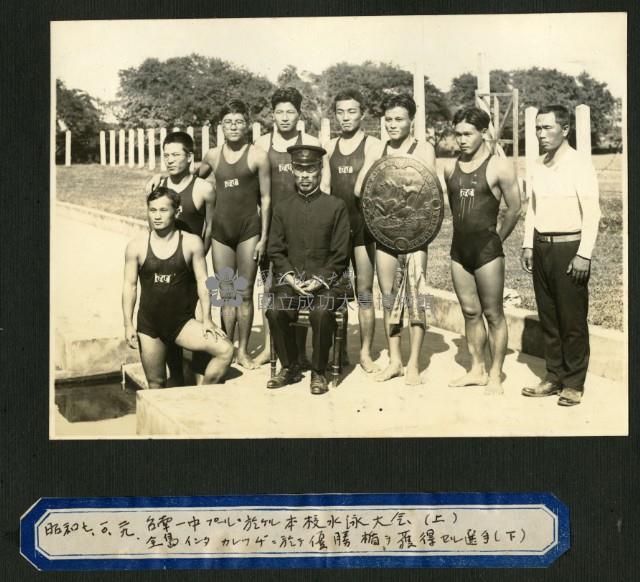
151 138
192 166
384 136
205 141
256 131
175 129
103 148
325 131
140 147
219 135
531 148
420 120
300 126
583 130
112 147
163 136
67 148
132 148
121 145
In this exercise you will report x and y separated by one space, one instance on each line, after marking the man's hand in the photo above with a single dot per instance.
311 286
131 337
295 284
526 260
259 251
152 183
209 328
578 269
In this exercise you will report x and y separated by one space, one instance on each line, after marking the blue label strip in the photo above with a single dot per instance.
29 547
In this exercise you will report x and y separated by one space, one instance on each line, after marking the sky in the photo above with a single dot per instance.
87 55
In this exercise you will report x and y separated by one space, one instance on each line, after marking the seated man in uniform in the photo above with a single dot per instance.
172 271
309 245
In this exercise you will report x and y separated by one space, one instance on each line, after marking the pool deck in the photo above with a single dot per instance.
92 260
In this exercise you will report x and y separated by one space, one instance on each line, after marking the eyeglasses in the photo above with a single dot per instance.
236 122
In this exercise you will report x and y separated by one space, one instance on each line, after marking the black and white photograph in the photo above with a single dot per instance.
329 227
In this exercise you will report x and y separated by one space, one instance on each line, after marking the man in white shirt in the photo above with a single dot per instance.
561 227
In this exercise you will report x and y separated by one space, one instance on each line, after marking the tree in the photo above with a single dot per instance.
77 111
377 80
539 86
187 91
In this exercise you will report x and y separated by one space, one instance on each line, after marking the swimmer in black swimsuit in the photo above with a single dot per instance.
286 103
342 170
172 271
475 186
239 232
399 111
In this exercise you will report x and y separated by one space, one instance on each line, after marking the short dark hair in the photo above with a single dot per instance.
181 137
400 100
234 106
561 113
474 115
347 94
287 95
161 191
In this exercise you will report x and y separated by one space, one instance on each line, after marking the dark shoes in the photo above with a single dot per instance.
318 383
285 377
569 397
545 388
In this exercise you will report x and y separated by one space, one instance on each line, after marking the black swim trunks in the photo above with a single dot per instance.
168 294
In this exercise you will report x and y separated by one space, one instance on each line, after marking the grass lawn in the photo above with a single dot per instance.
119 190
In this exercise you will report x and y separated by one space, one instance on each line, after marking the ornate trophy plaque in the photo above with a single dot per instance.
402 203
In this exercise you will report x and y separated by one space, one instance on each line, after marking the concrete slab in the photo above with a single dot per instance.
360 407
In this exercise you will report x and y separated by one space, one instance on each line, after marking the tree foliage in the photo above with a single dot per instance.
538 86
187 91
77 111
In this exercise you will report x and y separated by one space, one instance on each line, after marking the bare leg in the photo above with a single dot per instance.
225 256
264 356
416 334
490 283
386 266
153 355
247 269
364 265
191 338
464 284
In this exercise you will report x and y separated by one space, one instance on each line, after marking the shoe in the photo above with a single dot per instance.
545 388
318 383
570 397
285 377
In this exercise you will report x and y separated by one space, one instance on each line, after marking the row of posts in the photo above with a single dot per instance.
583 141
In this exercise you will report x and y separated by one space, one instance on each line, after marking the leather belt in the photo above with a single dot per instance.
558 238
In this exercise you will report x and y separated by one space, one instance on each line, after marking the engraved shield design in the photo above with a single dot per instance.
402 203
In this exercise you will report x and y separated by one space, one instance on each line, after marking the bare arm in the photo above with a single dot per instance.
372 153
206 192
261 160
325 180
427 153
130 291
508 184
206 170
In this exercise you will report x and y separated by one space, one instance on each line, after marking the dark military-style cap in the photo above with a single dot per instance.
306 155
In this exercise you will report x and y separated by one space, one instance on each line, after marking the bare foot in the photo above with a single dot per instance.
245 361
368 365
471 379
303 362
413 376
264 357
494 387
391 371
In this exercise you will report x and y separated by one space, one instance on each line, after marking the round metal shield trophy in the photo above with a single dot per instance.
402 203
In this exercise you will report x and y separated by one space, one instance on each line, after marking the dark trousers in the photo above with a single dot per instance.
284 310
562 309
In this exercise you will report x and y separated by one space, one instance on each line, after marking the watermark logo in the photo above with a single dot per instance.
226 288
